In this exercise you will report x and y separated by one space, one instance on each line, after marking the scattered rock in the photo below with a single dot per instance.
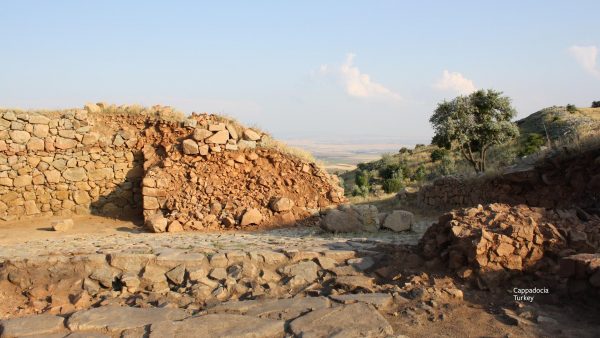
62 225
251 216
399 220
282 204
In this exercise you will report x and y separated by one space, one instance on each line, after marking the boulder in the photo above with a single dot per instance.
341 221
399 220
62 225
251 216
190 147
201 134
351 219
220 137
282 204
157 223
251 135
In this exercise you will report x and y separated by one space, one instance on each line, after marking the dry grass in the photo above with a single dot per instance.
269 142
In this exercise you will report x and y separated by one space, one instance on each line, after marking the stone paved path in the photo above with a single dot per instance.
301 238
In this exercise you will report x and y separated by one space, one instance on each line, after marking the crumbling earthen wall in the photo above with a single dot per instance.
556 182
206 169
212 174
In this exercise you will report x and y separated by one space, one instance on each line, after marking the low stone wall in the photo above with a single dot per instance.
60 163
556 182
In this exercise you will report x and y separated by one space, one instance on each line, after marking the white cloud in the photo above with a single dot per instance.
586 56
358 84
456 82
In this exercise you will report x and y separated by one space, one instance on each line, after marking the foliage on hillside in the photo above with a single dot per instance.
550 128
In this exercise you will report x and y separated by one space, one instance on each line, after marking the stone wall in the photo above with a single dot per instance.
206 169
559 181
59 164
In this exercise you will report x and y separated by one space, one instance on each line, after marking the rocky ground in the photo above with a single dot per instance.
277 283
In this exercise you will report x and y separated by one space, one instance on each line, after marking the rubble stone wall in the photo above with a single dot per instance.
212 174
557 182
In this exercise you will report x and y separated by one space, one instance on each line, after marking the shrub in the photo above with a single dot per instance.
571 108
439 154
532 144
360 191
447 166
596 104
420 173
362 178
392 185
405 150
391 171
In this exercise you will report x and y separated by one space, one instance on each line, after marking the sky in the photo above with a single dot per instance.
344 70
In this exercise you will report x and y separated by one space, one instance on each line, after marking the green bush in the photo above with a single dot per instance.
447 166
392 185
596 104
439 154
420 173
362 178
532 144
391 171
571 108
405 150
360 191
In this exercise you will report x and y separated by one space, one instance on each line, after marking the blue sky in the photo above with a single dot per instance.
304 69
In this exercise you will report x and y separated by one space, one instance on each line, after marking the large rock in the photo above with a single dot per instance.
251 135
356 320
190 147
219 325
282 204
285 309
157 223
117 319
399 220
62 225
351 219
44 324
219 137
251 216
341 221
200 134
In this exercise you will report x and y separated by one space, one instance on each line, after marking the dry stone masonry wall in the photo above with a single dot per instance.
561 181
201 172
58 164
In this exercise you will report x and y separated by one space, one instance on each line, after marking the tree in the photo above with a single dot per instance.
473 124
596 104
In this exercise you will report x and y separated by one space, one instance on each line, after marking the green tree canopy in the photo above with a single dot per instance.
473 124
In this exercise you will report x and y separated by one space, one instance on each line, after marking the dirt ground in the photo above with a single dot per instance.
25 230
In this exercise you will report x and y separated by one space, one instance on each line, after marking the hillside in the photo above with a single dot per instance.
559 125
